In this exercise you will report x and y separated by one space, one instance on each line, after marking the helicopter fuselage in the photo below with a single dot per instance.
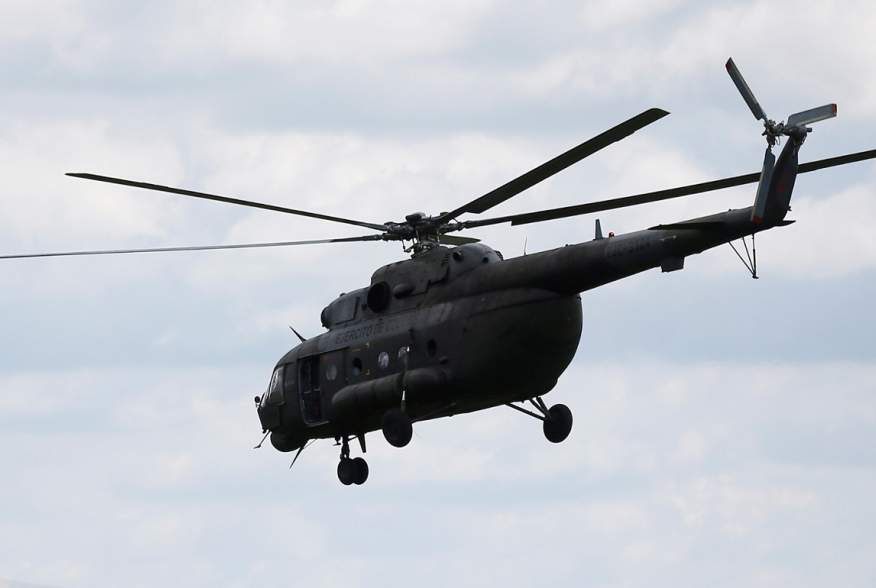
455 330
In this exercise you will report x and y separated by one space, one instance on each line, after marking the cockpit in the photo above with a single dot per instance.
273 398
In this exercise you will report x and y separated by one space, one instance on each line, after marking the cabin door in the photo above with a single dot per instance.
319 377
310 390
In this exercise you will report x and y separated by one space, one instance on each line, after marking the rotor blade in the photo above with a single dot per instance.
195 247
226 199
557 164
813 115
567 211
746 92
454 240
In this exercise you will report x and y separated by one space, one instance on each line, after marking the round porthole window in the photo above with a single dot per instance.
383 360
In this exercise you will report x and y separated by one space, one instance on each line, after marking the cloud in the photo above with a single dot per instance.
171 478
722 427
44 209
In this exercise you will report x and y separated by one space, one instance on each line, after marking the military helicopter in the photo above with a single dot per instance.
457 328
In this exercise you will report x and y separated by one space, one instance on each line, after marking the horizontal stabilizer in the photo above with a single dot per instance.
701 226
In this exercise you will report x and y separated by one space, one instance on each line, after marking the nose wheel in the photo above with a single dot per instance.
556 420
355 470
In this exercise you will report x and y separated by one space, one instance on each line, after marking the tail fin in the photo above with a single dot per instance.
774 194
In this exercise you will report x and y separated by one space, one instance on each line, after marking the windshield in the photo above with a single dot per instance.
274 395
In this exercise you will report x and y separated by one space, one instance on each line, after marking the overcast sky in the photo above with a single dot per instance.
725 428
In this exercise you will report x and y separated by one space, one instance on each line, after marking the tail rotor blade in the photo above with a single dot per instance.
746 92
813 115
763 186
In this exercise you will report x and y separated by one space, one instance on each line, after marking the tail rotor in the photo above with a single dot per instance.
795 127
796 124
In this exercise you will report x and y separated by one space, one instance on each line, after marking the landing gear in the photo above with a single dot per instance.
352 471
556 420
558 423
397 427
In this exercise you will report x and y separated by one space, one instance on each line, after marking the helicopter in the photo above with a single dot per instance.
457 328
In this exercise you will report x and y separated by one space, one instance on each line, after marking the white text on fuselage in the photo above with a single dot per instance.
369 331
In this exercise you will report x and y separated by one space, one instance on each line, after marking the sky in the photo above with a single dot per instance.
724 427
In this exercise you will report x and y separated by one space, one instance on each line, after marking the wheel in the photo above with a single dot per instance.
347 471
360 466
397 427
558 423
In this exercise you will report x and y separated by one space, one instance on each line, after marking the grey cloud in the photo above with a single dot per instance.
618 503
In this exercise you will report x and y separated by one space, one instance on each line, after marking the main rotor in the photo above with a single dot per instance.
420 232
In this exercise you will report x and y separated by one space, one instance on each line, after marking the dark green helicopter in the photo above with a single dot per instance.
457 328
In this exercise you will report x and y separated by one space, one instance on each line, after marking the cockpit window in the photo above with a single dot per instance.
274 394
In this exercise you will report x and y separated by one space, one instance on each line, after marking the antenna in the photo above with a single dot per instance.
297 334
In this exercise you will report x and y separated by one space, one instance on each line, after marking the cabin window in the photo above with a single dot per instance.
357 366
331 372
432 348
290 382
383 360
345 309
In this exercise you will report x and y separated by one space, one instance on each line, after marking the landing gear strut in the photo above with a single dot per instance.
352 471
556 420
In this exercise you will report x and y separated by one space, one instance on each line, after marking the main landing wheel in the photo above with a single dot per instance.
397 427
352 471
557 423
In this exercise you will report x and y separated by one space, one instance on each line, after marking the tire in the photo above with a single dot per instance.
558 423
346 471
397 427
360 466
